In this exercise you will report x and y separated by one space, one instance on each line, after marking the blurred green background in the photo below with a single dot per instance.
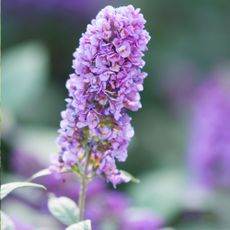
190 39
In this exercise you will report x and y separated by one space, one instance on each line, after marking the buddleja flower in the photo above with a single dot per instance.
95 128
210 145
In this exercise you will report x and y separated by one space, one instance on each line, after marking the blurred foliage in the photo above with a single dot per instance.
163 198
25 70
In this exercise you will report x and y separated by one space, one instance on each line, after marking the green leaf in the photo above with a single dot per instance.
8 188
83 225
161 191
6 222
24 71
167 229
64 209
43 172
25 213
132 178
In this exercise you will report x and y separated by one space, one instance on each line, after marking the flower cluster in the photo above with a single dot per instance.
95 127
210 144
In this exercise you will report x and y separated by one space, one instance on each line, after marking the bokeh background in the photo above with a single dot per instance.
181 147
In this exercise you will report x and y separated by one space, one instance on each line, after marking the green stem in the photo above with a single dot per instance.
82 197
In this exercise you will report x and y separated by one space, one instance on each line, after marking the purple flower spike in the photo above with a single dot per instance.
105 84
209 153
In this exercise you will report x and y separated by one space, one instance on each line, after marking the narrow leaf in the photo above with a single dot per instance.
132 178
6 222
83 225
43 172
64 209
8 188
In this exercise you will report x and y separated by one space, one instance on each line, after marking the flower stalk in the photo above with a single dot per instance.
82 197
